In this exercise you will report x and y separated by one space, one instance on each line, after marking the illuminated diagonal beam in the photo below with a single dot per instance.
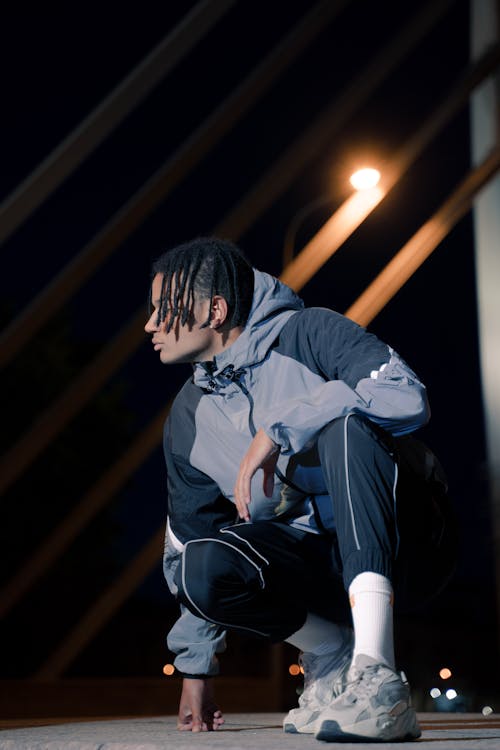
126 220
36 188
58 540
70 402
103 608
422 244
318 250
323 130
363 311
356 208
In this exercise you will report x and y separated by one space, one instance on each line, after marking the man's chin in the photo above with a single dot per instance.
172 359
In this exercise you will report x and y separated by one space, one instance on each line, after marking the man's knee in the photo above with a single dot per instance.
350 433
212 575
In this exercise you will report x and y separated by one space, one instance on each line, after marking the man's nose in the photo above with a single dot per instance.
151 326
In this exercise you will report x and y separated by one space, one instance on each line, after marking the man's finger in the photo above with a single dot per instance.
242 495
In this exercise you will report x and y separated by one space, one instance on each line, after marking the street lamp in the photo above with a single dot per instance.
342 223
365 178
298 218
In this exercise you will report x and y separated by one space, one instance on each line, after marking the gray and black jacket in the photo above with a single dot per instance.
290 372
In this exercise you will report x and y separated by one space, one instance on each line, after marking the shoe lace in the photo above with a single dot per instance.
320 684
362 682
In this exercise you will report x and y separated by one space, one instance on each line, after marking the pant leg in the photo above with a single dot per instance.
360 470
261 578
392 512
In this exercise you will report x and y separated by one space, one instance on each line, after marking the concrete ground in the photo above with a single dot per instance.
257 731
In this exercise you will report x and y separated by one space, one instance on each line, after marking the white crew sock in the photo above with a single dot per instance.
371 596
318 636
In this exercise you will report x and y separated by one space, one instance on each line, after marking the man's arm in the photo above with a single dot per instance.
196 644
195 508
359 373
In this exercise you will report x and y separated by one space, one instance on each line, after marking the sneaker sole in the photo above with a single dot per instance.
308 728
301 724
403 727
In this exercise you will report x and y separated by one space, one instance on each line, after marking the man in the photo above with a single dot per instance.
299 505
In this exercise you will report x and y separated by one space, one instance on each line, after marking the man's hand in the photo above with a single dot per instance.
198 711
262 454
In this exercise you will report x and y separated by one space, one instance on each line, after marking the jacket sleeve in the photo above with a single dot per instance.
359 373
195 508
195 641
196 644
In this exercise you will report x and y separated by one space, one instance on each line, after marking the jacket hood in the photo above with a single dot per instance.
273 304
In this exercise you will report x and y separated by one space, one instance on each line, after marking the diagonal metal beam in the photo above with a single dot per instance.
350 215
376 296
103 608
50 299
332 235
71 401
74 149
98 496
316 138
423 243
303 267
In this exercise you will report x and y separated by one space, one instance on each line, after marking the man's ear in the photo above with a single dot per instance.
218 311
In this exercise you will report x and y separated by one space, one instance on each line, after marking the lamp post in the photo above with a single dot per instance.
342 223
297 219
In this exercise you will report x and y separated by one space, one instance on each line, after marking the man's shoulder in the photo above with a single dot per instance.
311 332
318 319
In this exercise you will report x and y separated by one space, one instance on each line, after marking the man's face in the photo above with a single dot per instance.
183 343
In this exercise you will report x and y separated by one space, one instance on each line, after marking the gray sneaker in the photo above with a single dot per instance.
375 706
324 679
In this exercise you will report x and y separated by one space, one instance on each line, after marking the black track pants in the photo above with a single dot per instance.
264 577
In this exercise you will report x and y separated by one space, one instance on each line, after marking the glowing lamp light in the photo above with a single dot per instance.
294 669
435 693
486 710
365 178
451 694
445 673
168 669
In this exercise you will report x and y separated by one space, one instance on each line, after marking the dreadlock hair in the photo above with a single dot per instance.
205 266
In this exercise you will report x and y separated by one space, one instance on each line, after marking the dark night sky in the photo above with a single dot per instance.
58 65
